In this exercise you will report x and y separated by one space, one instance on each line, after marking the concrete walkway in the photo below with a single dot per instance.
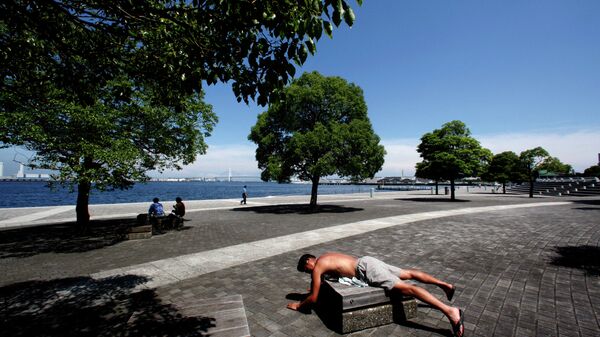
175 269
522 267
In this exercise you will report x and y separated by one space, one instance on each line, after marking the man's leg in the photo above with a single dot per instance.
412 274
423 295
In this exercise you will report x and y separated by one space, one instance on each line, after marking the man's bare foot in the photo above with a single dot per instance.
457 318
450 292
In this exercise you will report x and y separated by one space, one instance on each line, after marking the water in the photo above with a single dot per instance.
29 194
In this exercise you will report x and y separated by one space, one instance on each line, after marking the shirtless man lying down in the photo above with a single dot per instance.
377 274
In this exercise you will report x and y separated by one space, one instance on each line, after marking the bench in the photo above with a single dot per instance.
346 308
158 224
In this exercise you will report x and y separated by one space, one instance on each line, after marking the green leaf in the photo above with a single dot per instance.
311 46
328 28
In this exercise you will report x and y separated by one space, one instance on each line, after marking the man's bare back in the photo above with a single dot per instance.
336 264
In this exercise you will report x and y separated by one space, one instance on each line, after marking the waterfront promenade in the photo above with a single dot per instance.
522 267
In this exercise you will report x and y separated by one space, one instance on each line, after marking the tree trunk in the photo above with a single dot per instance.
452 189
531 185
313 192
83 200
503 188
436 188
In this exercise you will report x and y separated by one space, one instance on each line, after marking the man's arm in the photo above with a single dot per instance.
314 292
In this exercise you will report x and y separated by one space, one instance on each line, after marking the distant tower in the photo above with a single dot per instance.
1 169
21 173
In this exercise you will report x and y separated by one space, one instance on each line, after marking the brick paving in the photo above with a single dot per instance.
524 272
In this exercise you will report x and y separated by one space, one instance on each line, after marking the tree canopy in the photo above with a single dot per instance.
104 91
531 160
553 165
173 45
320 127
504 167
450 153
593 171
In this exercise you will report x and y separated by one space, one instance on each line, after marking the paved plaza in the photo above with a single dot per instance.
522 267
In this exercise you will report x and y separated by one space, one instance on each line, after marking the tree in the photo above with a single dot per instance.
108 144
593 171
450 153
530 162
554 166
319 127
427 170
104 91
504 167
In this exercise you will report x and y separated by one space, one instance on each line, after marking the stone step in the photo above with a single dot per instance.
227 315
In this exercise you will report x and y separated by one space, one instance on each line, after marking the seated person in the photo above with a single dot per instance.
177 213
178 208
156 209
155 215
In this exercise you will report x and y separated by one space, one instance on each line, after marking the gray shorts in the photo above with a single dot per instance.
377 273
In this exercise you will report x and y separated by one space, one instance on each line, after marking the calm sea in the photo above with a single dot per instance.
29 194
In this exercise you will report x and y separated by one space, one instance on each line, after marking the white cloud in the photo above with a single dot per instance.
217 162
579 148
401 157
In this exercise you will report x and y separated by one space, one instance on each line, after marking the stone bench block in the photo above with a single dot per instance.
139 232
140 229
346 309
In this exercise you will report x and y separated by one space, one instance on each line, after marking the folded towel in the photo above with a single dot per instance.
352 282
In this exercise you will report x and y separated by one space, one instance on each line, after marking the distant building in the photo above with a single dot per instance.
1 169
403 180
21 173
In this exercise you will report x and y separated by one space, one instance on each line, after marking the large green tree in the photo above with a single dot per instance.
319 127
531 160
103 91
504 167
451 153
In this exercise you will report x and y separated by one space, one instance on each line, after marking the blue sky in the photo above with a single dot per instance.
520 74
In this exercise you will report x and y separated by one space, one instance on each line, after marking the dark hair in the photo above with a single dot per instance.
302 262
178 199
155 200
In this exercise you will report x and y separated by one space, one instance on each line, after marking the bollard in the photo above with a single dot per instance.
372 192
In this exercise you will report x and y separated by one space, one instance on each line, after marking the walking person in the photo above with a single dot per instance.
244 195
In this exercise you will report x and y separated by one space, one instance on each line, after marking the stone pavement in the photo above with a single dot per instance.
520 271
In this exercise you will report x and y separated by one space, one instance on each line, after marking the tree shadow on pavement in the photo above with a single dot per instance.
62 238
446 199
586 258
588 202
83 306
297 209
